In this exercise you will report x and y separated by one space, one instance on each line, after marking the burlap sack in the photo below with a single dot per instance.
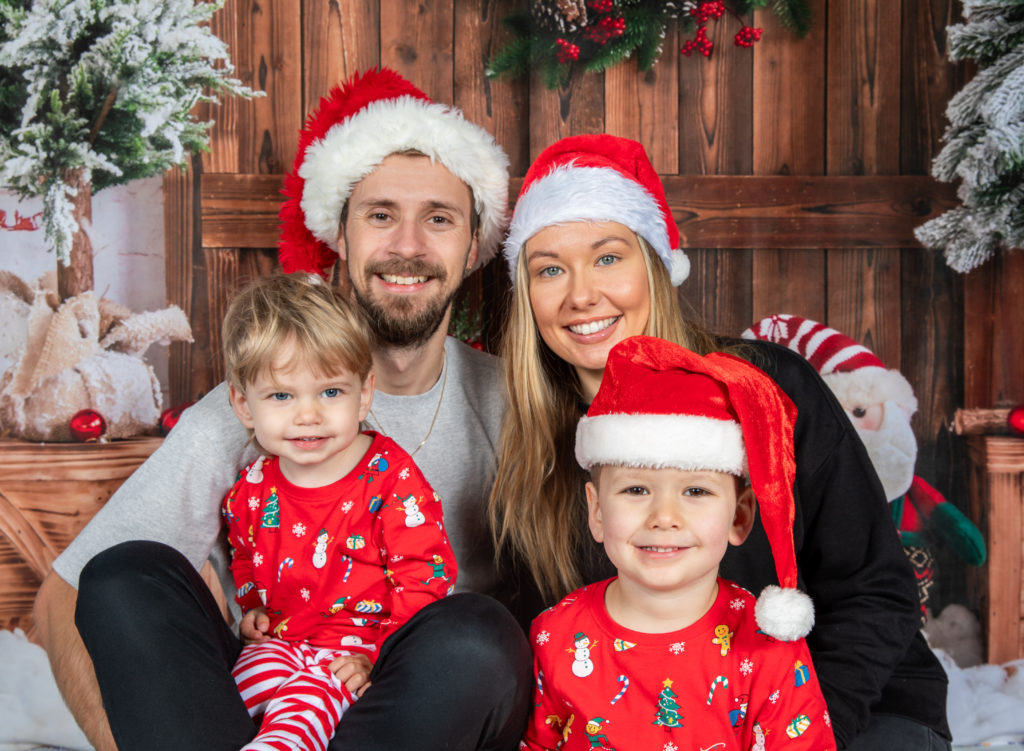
86 354
15 303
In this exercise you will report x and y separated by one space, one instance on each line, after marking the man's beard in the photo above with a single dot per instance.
396 322
893 451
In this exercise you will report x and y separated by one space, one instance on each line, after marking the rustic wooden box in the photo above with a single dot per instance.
996 487
48 492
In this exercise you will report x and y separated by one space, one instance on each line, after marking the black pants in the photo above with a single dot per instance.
456 676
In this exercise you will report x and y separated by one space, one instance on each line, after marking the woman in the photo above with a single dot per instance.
594 256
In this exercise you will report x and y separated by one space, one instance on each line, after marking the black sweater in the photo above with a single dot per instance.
867 649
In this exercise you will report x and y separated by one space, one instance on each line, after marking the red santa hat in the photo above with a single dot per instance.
596 178
660 405
357 126
852 372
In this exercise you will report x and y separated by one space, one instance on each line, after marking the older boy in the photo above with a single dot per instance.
667 654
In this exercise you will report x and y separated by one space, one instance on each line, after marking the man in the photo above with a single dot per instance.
412 197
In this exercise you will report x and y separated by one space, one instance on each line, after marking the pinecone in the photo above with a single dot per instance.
560 16
677 8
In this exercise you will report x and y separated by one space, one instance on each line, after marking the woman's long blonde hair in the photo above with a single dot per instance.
537 508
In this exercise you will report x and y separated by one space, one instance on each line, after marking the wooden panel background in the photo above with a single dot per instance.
796 171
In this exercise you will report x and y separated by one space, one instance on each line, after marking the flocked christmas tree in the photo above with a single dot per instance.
984 140
96 93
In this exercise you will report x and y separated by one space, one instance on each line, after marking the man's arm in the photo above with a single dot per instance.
54 614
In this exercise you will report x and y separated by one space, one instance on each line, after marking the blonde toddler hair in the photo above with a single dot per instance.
330 334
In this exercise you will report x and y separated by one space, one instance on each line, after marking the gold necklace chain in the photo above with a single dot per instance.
437 409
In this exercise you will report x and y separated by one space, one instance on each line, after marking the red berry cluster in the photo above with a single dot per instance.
601 6
567 51
705 11
606 29
700 43
708 10
746 36
702 12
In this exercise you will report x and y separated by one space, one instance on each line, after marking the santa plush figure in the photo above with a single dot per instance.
880 403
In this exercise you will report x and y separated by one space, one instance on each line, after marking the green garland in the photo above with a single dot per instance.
559 37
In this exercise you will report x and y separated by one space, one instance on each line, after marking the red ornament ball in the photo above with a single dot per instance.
169 417
1016 420
87 425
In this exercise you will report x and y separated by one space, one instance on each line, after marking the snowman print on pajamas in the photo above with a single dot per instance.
582 666
254 474
413 516
320 549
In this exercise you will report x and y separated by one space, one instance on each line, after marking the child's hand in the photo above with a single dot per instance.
353 671
254 625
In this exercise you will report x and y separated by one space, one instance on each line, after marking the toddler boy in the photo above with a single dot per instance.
336 537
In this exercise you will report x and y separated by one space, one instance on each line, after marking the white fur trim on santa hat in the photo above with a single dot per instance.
785 614
353 148
870 385
661 440
596 194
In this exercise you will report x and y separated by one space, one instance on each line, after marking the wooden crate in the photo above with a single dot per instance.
48 492
996 486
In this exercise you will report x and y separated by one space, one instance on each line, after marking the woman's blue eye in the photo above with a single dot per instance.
607 260
332 393
550 271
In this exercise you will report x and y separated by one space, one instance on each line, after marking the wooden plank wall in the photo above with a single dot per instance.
856 107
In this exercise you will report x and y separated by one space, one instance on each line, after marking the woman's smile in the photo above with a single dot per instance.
592 327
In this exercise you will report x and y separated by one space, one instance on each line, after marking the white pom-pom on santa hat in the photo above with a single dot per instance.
596 178
359 124
660 405
786 614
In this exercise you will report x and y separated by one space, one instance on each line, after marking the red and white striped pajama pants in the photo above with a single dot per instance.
290 684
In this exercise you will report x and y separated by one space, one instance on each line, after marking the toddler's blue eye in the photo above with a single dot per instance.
280 396
332 392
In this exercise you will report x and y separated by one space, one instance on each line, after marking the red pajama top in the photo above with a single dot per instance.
341 566
717 684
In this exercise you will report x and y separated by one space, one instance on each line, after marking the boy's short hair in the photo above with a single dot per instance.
329 332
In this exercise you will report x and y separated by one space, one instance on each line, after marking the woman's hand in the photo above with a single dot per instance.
353 671
254 625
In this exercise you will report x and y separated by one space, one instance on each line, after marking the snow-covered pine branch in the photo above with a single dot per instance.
984 140
108 88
